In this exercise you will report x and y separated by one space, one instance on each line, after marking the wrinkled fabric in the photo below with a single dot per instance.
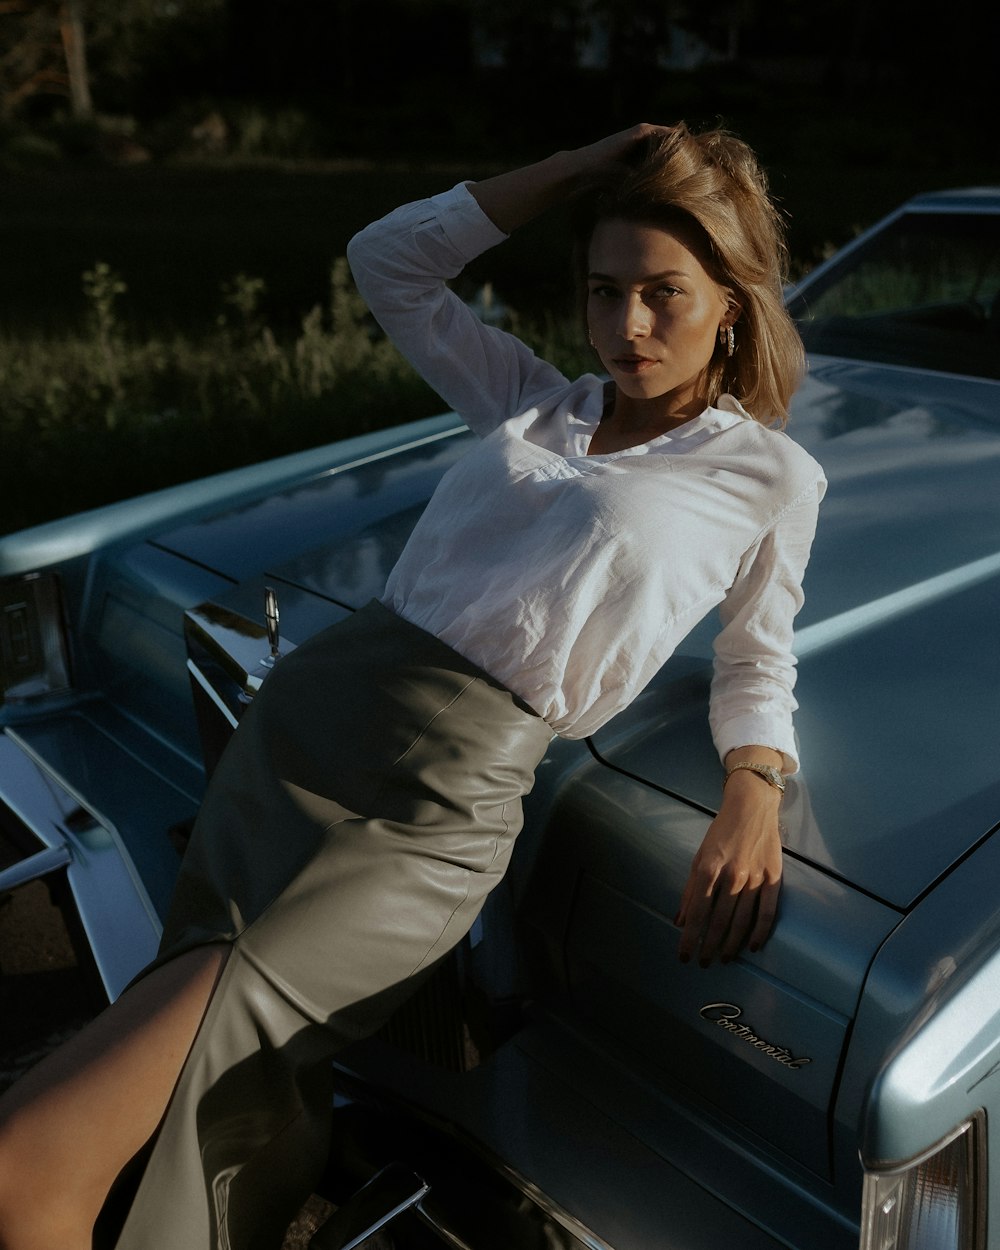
572 578
358 819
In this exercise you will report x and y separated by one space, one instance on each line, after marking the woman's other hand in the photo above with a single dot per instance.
731 896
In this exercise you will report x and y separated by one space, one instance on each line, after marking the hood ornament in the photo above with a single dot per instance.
272 620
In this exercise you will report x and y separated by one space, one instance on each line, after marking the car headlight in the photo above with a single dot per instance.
33 654
935 1202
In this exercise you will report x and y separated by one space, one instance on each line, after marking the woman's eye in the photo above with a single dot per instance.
665 292
603 292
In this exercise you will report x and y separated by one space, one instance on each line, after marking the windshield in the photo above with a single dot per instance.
923 292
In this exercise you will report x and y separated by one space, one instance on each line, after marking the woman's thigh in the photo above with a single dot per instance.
75 1120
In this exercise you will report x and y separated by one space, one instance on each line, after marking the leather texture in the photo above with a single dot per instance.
361 814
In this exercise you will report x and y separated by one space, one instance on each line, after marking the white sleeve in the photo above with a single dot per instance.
401 265
751 698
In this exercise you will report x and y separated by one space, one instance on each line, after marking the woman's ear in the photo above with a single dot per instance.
733 310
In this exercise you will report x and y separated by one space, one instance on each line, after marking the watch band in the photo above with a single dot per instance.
770 774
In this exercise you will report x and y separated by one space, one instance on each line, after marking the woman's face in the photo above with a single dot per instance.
654 312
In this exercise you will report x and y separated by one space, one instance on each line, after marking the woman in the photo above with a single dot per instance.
370 799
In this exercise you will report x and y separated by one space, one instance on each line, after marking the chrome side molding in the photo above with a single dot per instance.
389 1193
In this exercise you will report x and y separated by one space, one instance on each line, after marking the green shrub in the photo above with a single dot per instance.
98 415
286 134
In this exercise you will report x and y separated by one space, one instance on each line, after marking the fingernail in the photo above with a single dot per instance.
754 947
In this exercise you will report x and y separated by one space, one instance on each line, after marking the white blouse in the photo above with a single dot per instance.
572 578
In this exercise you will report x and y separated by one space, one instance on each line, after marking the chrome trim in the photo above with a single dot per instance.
397 448
391 1192
41 864
973 1128
217 701
272 620
441 1230
122 937
239 646
726 1018
566 1232
976 1123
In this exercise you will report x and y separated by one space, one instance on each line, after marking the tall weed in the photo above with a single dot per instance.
100 415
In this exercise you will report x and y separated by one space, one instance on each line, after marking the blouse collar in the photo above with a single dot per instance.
568 429
583 420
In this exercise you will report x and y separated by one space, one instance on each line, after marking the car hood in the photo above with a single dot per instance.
899 662
337 533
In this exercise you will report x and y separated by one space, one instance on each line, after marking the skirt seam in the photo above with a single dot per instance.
440 711
428 954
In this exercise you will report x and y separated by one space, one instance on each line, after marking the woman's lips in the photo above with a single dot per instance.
633 364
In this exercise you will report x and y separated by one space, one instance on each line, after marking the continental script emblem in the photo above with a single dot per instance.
727 1016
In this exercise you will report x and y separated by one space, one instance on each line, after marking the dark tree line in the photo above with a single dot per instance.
399 67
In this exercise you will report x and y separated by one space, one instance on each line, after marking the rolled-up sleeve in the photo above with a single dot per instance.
752 701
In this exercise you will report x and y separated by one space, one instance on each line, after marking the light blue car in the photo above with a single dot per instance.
565 1081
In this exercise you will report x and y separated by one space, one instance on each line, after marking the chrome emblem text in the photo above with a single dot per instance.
726 1016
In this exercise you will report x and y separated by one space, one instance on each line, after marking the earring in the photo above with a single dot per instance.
727 338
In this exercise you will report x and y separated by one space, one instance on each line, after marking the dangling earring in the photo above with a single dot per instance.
727 339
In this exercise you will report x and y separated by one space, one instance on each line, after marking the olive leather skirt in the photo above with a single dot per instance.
362 812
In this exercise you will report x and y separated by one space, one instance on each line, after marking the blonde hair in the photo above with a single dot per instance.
713 183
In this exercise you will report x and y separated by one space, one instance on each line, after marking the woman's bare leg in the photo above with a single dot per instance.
70 1125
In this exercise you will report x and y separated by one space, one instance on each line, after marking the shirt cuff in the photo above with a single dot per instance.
759 731
468 229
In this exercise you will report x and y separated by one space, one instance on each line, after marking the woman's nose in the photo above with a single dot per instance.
634 321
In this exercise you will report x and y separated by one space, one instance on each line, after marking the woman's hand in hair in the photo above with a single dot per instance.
614 149
512 199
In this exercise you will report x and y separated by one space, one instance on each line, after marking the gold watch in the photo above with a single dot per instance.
770 774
